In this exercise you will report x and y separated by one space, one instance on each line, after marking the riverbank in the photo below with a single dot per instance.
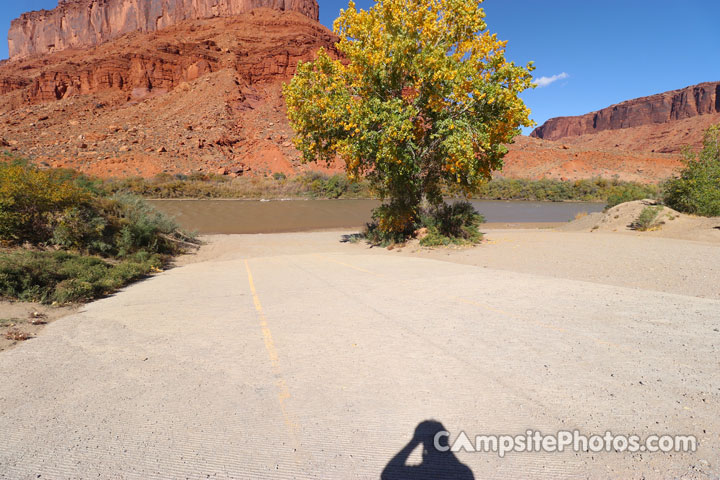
318 185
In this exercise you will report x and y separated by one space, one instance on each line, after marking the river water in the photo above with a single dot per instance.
252 216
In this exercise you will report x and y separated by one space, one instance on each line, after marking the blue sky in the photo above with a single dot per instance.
599 52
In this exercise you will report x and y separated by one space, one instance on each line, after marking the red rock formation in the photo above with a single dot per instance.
83 23
8 84
152 63
205 96
201 95
702 99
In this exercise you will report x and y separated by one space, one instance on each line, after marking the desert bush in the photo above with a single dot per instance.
57 209
64 277
308 184
321 185
646 220
697 189
389 225
30 199
139 227
453 223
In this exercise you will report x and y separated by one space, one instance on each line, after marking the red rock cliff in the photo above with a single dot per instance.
83 23
665 107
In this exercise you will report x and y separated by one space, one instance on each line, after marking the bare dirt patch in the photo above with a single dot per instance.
21 321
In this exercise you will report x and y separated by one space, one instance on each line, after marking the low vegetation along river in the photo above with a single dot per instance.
249 216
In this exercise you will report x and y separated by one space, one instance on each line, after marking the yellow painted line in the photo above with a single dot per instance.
359 269
283 390
540 324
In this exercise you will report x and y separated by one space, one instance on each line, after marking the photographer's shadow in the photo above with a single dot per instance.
437 464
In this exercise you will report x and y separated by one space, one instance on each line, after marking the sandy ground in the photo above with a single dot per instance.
637 260
667 224
26 319
299 356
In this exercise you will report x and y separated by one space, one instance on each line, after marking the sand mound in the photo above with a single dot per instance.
667 223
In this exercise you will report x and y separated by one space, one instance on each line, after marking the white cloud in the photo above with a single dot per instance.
545 81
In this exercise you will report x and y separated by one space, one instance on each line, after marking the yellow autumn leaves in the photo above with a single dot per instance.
423 95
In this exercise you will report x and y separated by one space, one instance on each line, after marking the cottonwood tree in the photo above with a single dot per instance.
421 102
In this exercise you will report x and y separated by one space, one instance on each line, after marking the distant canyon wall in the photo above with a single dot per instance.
83 23
670 106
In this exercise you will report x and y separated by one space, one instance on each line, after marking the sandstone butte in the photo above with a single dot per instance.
83 23
663 122
139 87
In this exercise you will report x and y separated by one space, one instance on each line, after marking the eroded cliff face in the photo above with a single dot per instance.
702 99
200 96
83 23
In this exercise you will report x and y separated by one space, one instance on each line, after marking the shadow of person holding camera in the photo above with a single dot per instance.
437 464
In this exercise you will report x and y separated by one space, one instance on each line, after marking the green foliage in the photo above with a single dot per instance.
455 223
196 185
378 231
547 190
646 219
31 200
141 227
63 277
697 189
422 103
308 184
58 209
322 185
628 195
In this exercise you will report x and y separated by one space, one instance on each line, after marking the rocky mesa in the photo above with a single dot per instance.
84 23
663 122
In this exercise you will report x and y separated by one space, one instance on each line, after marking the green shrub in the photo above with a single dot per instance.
646 220
587 190
57 207
278 185
139 227
384 229
697 189
61 209
335 186
454 223
63 277
621 197
322 185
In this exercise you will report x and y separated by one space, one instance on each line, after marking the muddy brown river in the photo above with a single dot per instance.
253 216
